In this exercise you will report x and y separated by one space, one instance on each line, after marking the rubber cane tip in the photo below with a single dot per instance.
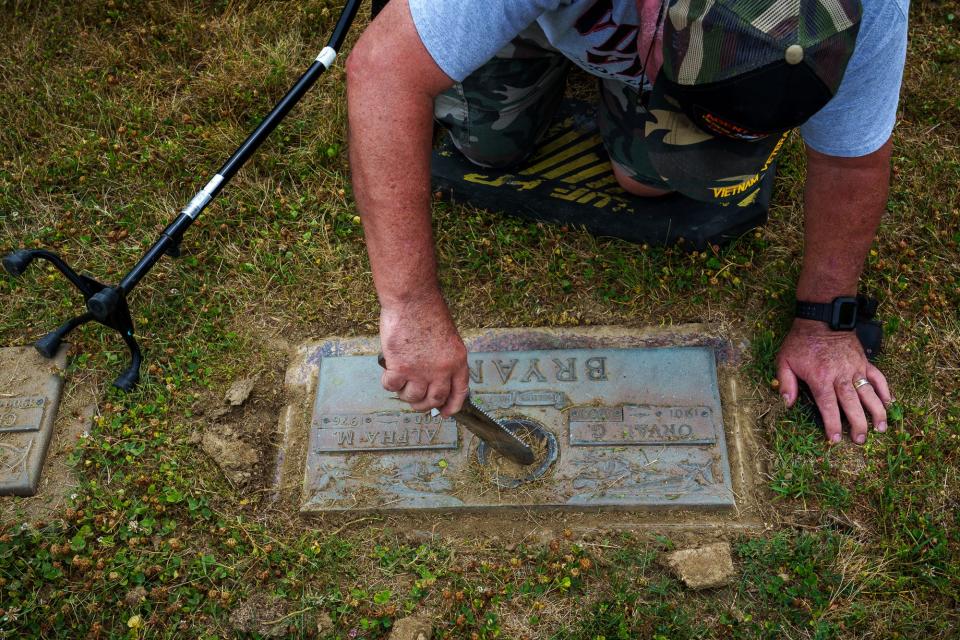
127 381
16 263
48 345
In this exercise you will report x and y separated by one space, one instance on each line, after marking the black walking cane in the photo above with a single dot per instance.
108 304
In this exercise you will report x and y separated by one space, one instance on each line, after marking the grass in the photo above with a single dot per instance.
113 114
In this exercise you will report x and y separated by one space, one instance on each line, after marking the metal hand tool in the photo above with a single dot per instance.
485 427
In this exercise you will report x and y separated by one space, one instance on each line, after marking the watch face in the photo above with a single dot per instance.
846 314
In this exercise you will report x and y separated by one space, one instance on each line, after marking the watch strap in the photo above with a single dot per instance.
822 311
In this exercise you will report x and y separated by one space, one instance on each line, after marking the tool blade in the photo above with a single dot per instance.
493 433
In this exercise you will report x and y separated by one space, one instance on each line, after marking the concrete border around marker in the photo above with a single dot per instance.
743 443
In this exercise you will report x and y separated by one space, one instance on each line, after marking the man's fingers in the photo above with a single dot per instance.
454 403
788 384
826 399
410 391
413 392
880 386
392 381
436 396
870 400
852 408
458 393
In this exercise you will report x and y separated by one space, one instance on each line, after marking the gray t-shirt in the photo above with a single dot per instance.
609 38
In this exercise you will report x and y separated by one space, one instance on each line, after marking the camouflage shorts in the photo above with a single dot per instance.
498 113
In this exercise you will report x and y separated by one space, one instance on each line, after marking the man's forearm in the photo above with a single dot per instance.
391 83
391 89
845 198
844 201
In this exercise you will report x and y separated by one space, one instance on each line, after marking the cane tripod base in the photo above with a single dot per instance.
106 305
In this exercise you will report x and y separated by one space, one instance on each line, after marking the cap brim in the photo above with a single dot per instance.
700 165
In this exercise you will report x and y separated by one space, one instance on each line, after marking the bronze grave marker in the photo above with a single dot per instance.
630 428
30 389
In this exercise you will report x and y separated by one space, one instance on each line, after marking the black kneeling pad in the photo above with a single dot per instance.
569 180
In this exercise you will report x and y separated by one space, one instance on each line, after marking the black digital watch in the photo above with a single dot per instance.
840 315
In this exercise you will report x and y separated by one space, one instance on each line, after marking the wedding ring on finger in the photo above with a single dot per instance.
862 382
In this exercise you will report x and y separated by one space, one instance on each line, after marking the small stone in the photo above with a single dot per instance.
704 567
239 391
413 628
234 457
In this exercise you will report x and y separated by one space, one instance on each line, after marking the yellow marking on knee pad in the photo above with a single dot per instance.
569 152
573 165
586 174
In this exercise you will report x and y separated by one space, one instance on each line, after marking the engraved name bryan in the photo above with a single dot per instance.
537 370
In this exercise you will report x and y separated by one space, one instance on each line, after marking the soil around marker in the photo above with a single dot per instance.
242 439
507 474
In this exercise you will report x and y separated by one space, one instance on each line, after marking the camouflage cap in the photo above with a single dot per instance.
737 75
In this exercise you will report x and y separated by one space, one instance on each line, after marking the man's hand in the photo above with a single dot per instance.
844 200
830 362
426 359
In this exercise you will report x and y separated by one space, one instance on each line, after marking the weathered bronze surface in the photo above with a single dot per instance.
30 389
636 428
